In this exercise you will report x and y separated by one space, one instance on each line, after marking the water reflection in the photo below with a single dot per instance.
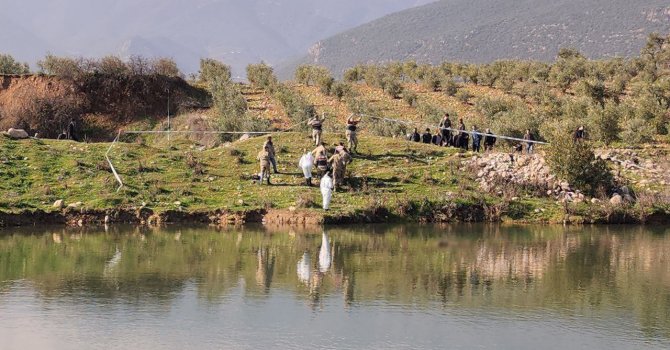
513 270
324 254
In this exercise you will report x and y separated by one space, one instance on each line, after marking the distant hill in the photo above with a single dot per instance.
234 31
487 30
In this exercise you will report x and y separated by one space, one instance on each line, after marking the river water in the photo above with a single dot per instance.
364 287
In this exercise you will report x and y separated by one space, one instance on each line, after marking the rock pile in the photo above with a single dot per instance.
525 170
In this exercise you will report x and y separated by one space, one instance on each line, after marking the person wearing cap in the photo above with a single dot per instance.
317 126
271 149
352 138
489 141
264 158
445 129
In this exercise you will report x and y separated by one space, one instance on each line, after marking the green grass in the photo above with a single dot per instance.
35 173
409 180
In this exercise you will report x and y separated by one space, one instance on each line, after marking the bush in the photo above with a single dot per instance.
325 84
431 81
449 87
354 74
393 88
261 75
490 106
576 163
61 66
10 66
637 130
211 70
341 90
410 97
605 123
464 96
165 66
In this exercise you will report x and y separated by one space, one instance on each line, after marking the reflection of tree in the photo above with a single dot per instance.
513 267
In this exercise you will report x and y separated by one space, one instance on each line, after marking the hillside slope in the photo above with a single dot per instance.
484 31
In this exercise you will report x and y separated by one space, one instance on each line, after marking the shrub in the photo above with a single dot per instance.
393 88
10 66
576 163
354 74
605 123
464 95
211 69
636 130
165 66
431 81
261 75
410 97
341 90
61 66
449 87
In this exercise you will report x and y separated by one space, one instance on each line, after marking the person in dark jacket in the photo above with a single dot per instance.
529 145
427 137
71 132
437 139
489 141
445 129
579 134
416 137
476 139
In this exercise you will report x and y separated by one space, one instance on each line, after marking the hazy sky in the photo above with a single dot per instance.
236 31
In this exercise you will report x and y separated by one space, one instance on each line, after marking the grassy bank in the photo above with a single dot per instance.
391 180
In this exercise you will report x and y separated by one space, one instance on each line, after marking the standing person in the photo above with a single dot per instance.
579 134
337 166
445 129
317 126
437 139
461 137
321 162
71 132
416 137
321 148
352 139
264 158
426 137
489 141
529 145
326 190
476 139
273 156
305 163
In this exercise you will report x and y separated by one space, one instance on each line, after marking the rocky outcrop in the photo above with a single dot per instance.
496 170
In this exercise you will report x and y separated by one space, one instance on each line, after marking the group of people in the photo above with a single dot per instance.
458 137
331 169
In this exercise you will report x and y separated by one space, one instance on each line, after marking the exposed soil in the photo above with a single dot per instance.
98 104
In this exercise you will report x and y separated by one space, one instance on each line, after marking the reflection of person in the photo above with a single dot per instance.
324 254
265 268
304 271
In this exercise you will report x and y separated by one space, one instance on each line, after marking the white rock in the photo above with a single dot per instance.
75 205
59 204
245 137
17 133
616 199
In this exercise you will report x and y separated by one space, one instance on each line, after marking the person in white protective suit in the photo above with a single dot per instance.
306 163
326 190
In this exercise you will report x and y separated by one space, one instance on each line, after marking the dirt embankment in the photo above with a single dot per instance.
99 104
